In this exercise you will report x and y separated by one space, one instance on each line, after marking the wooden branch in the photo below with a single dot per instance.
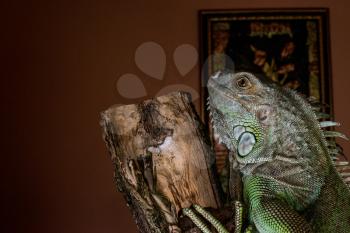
163 160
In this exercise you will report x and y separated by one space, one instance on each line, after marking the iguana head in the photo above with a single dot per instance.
243 114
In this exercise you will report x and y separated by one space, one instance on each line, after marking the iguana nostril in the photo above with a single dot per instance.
216 75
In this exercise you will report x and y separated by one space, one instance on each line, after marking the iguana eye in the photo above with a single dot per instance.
243 83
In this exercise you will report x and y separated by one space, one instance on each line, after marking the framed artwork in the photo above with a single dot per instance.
288 46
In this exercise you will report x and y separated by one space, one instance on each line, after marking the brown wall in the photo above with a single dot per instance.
62 61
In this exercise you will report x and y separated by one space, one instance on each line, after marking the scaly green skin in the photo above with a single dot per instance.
289 181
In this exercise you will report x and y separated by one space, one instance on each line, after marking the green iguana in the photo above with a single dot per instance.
288 168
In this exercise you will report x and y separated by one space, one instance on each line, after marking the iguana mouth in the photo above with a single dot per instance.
217 123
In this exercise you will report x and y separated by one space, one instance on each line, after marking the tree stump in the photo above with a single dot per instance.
163 160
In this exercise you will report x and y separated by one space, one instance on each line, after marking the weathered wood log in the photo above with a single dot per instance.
163 160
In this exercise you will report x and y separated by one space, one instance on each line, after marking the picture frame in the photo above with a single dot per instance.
289 46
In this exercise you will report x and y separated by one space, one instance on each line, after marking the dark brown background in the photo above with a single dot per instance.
61 60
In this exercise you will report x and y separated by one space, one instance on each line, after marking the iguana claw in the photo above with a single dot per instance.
216 224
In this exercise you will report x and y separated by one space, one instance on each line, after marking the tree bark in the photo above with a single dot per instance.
163 160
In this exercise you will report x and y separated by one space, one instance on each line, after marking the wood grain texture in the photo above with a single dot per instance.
163 159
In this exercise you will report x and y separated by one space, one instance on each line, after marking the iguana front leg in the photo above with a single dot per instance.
235 191
270 214
238 216
239 219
